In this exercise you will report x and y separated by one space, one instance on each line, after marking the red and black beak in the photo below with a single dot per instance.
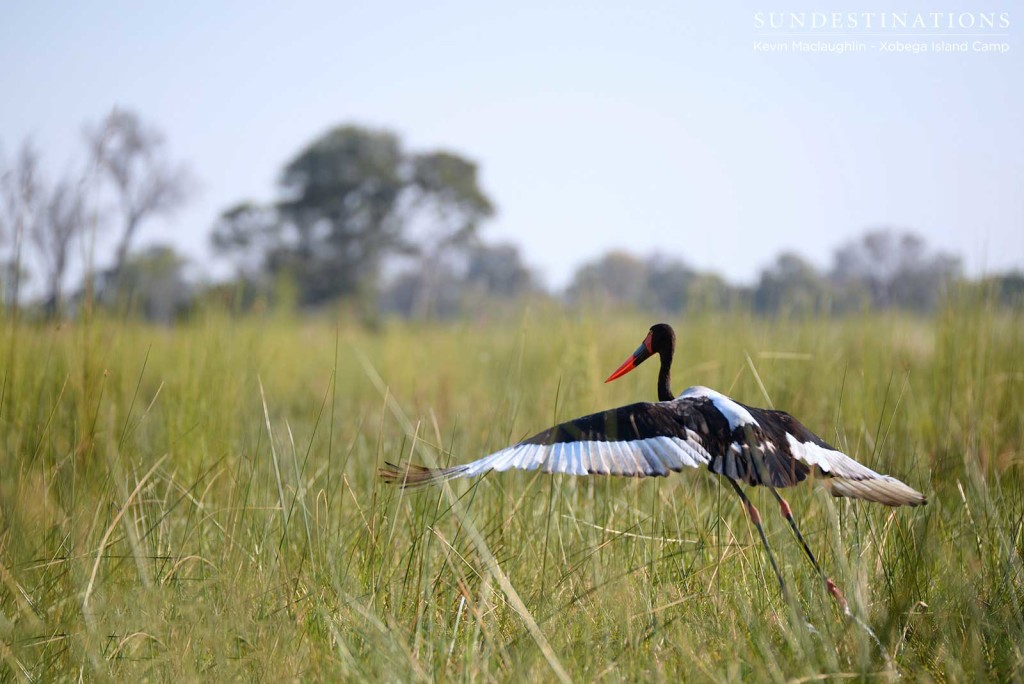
642 353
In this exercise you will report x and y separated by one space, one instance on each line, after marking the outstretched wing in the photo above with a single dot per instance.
631 441
765 446
844 476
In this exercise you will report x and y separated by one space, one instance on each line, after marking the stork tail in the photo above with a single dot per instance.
412 475
884 490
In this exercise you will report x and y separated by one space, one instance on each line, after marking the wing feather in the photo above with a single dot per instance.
658 466
645 439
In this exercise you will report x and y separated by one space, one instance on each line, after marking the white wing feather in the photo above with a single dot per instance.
654 456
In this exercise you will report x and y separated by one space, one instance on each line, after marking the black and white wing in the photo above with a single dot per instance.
842 475
772 447
631 441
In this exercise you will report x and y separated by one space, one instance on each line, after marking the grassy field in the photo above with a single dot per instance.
201 502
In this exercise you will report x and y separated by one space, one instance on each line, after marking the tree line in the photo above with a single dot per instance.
883 269
362 220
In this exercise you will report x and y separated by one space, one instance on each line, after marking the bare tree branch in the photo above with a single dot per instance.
132 157
62 220
20 210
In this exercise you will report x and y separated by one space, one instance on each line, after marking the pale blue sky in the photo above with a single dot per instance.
655 126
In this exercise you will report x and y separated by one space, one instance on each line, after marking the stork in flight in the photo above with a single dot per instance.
741 443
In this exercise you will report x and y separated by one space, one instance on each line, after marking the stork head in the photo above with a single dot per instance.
661 339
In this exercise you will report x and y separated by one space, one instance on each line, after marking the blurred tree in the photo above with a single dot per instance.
443 212
153 282
22 206
246 233
350 199
1009 289
657 284
894 269
615 278
402 295
669 282
498 271
64 219
791 285
339 215
1003 289
490 273
711 292
12 277
132 158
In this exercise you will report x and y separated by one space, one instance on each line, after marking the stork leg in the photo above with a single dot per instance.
787 513
755 517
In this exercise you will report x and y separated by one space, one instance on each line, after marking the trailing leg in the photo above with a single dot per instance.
787 513
755 517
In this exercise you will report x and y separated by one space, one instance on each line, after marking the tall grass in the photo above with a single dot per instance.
202 502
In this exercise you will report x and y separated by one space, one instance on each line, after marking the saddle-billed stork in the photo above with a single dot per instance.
741 443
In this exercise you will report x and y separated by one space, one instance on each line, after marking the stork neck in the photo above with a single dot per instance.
665 378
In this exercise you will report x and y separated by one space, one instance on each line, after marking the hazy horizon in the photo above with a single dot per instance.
596 127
